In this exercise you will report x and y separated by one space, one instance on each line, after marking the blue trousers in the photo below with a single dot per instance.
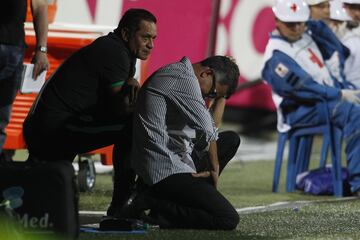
347 117
343 115
11 62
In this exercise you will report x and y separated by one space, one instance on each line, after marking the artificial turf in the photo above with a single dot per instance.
249 184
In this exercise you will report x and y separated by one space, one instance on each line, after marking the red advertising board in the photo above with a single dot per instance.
243 32
195 29
239 28
184 29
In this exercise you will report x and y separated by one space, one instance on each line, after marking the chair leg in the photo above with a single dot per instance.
324 151
335 146
278 160
304 154
291 167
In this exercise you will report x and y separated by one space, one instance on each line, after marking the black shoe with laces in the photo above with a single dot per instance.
112 210
135 206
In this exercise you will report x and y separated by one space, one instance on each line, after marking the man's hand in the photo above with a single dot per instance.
215 177
206 174
40 62
133 88
351 96
39 10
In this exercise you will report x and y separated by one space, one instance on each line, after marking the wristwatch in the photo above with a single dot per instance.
41 49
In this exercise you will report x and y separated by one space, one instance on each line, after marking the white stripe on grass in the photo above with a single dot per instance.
266 208
286 205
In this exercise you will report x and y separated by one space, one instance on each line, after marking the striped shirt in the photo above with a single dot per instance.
169 113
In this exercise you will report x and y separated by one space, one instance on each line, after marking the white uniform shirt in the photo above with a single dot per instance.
352 64
307 54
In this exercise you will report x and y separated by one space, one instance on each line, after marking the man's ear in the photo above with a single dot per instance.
125 34
206 72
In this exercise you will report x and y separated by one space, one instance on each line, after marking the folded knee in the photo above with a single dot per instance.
232 138
229 222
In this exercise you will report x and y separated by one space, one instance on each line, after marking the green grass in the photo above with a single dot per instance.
244 184
249 184
338 220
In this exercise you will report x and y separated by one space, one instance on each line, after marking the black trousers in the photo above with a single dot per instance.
74 137
193 203
77 137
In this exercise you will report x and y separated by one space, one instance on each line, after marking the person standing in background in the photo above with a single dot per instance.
319 9
353 9
343 26
303 62
12 48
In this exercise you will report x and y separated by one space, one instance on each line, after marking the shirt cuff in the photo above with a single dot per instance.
215 135
332 93
118 84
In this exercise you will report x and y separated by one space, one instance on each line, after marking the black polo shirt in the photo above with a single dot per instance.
79 88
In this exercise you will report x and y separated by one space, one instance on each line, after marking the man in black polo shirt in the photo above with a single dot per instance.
87 103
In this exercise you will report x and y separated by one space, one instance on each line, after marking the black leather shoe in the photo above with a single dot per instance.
115 208
111 211
134 206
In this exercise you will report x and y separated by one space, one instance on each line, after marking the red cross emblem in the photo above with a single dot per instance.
315 59
294 7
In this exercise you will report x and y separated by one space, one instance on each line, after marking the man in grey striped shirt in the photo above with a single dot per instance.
170 113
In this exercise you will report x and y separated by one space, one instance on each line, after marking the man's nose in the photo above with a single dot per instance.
150 44
296 27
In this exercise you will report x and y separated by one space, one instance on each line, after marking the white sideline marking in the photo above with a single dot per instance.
284 205
93 213
256 209
249 149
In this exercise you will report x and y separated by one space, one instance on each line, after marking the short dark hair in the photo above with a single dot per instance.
132 18
226 71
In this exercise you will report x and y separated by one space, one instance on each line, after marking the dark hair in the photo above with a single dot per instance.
132 18
226 71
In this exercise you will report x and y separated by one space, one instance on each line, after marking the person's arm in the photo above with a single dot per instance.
39 10
197 115
214 170
214 162
123 98
116 71
217 108
288 79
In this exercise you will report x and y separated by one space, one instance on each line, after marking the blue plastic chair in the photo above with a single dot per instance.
300 144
